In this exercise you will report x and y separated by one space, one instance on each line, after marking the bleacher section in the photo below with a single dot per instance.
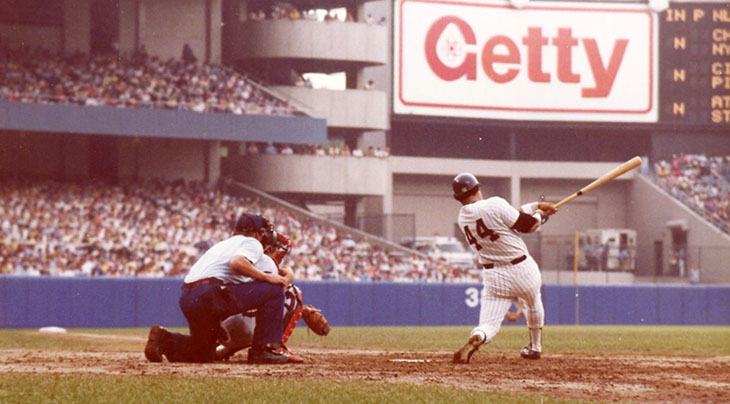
136 81
701 182
159 229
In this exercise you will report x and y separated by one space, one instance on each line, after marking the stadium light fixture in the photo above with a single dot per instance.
519 3
658 6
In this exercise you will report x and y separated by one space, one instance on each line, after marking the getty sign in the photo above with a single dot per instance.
547 61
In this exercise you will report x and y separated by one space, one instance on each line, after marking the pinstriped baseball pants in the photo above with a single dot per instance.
504 283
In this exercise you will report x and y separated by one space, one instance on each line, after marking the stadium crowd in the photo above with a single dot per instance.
254 148
137 81
701 182
157 229
286 11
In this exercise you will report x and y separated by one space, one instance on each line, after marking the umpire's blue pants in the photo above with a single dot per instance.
206 305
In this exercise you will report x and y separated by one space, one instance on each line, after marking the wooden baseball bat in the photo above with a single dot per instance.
627 166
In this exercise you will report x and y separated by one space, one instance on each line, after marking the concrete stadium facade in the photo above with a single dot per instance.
524 160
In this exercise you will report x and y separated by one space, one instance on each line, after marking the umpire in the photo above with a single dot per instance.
223 282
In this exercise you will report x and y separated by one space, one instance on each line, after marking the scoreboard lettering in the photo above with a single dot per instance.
695 64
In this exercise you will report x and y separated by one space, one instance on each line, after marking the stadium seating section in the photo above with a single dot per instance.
700 182
137 81
159 229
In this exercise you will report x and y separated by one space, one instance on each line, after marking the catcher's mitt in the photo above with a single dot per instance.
315 320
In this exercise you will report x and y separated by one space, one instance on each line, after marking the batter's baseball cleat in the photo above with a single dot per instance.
267 354
464 354
529 353
153 350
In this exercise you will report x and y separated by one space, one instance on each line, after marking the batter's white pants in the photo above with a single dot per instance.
504 283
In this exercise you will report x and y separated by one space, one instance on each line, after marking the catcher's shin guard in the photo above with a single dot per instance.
292 311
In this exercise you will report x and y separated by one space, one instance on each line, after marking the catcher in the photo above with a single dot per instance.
240 327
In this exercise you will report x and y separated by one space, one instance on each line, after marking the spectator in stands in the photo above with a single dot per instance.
590 256
623 258
252 149
270 149
188 56
602 254
287 150
694 275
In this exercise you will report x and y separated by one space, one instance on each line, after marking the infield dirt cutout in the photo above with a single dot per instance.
626 378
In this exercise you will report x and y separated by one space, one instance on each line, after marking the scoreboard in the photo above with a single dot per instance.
694 64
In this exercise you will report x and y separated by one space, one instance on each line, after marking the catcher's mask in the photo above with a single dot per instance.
250 223
271 238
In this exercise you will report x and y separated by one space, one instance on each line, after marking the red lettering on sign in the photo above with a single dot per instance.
535 41
489 58
604 75
446 73
565 43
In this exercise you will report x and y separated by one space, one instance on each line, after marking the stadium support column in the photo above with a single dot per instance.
212 161
213 30
128 26
515 190
76 26
351 212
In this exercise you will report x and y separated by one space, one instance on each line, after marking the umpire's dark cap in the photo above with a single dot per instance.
249 223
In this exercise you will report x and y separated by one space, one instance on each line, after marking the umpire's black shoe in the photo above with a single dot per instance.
267 354
464 354
153 350
529 353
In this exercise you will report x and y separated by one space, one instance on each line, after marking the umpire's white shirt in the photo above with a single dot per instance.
497 217
215 263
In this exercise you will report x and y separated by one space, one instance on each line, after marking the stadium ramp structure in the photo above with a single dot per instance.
239 189
663 223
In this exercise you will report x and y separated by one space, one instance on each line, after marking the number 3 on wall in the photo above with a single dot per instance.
472 297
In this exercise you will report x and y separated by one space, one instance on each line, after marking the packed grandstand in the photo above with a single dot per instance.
701 182
135 81
160 228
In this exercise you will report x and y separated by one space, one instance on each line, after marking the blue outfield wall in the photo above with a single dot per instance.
138 302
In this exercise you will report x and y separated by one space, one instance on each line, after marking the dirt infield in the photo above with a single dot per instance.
623 378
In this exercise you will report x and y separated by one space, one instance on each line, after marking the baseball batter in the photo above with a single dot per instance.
491 227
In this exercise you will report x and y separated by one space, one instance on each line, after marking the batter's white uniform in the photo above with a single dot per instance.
487 227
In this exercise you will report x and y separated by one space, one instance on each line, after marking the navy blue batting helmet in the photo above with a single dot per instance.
464 185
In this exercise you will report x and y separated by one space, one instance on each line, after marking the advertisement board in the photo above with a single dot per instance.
549 61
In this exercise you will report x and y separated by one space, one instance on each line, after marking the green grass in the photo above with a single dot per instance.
16 388
33 388
648 340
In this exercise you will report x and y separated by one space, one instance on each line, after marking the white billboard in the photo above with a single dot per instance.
551 61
